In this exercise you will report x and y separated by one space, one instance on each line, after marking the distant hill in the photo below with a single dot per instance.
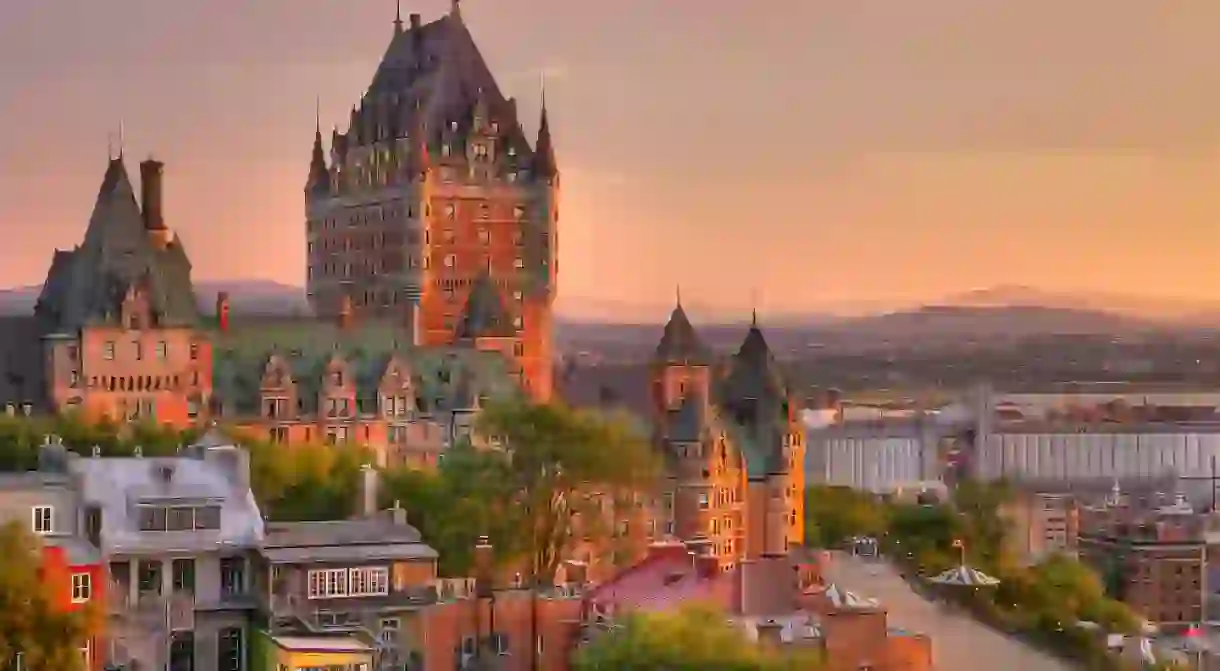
245 297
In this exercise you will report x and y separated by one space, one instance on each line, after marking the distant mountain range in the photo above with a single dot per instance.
1003 312
245 296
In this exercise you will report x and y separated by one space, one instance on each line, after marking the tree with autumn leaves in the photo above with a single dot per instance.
32 622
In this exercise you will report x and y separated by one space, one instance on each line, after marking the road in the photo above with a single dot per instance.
958 642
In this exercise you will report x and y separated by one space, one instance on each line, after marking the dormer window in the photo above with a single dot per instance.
337 378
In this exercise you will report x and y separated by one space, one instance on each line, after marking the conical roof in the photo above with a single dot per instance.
753 371
679 343
485 315
88 284
319 174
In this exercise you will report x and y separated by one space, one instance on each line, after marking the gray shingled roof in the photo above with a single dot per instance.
679 343
87 284
484 315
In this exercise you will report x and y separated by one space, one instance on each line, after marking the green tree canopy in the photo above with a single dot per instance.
557 463
837 513
32 621
693 639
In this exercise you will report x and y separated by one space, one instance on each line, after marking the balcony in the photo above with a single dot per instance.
152 610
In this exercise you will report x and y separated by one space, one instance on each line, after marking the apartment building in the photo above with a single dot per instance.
1151 554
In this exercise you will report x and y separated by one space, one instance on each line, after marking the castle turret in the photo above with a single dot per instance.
319 173
545 166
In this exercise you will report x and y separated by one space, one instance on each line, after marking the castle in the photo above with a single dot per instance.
734 446
431 269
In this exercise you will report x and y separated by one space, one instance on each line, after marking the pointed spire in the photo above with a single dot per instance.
680 344
678 294
121 139
319 173
455 9
544 148
397 16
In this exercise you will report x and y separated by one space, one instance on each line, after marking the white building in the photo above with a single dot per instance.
876 456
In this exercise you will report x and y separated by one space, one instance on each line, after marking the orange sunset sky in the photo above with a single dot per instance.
810 152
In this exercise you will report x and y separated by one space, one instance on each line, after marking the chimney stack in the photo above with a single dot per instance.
368 491
417 325
484 561
415 21
222 311
150 194
345 312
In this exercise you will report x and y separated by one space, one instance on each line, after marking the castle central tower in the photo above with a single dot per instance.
433 185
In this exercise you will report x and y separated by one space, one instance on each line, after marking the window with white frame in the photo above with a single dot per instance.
86 653
346 583
82 587
44 519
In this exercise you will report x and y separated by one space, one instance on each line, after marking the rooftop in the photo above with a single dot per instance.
217 475
344 540
321 644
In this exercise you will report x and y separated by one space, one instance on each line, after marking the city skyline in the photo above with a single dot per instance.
1062 153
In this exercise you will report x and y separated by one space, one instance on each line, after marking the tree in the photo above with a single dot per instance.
470 495
835 514
557 464
693 638
31 621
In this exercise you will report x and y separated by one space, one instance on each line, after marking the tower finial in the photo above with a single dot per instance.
110 146
317 114
397 16
678 293
122 139
455 9
754 308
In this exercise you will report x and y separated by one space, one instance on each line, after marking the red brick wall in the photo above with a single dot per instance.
443 626
57 575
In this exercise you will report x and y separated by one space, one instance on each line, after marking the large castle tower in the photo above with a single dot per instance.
434 185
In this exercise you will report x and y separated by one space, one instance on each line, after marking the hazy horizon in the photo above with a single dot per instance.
805 156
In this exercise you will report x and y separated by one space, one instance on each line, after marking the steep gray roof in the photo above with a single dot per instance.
484 315
680 344
87 285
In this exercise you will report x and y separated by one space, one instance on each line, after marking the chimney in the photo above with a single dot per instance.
398 514
345 312
484 561
222 310
150 194
707 566
770 633
368 491
415 21
417 325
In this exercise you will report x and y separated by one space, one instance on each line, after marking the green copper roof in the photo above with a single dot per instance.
444 377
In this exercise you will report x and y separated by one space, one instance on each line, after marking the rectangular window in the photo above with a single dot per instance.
139 351
108 350
44 519
82 587
194 351
703 501
518 263
345 583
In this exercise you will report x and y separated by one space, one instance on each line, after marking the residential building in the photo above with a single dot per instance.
1151 554
733 441
1041 524
777 601
877 456
178 535
46 504
433 189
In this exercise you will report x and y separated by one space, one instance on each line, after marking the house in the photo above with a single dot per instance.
46 504
373 580
178 535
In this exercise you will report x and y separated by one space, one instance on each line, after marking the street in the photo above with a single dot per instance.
958 642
